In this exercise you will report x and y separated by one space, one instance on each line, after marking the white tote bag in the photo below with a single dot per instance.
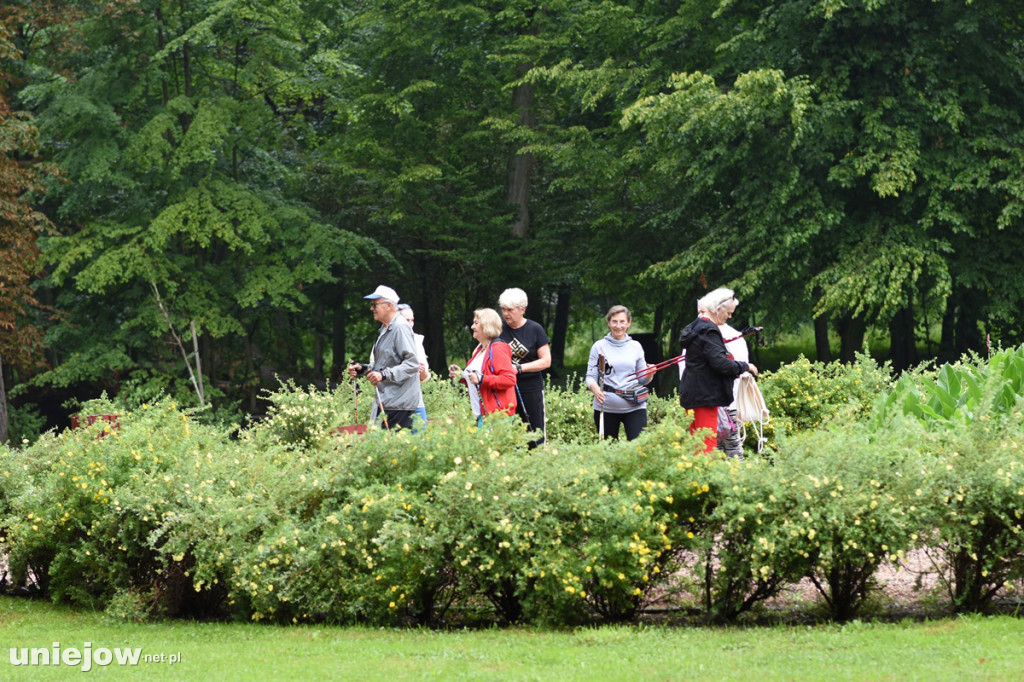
750 407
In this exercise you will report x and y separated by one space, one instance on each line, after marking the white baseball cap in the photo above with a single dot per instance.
387 293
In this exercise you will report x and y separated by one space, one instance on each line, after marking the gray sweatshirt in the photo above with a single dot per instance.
394 356
623 359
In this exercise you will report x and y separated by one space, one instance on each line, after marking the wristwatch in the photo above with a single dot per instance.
519 367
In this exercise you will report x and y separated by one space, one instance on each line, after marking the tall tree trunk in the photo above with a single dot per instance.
428 298
209 358
537 310
433 333
318 348
902 343
822 350
947 338
560 328
286 361
339 362
968 335
659 322
4 417
186 55
253 375
960 331
851 337
520 167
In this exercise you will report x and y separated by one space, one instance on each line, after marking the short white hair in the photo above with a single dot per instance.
717 300
513 298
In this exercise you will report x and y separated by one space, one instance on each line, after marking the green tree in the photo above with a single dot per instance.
181 126
847 154
404 146
585 209
20 226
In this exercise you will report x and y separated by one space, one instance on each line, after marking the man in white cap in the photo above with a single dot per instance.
394 368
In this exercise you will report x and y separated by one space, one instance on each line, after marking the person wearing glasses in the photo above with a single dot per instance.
394 369
707 383
531 355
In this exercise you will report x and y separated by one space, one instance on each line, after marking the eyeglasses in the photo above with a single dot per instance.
377 303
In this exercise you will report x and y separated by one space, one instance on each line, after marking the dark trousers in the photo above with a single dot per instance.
398 419
530 408
634 422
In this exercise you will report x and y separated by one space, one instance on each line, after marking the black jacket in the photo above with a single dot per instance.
709 375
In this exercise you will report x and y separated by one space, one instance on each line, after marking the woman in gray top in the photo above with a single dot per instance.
619 397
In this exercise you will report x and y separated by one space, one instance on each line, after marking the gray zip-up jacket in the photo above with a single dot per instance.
394 356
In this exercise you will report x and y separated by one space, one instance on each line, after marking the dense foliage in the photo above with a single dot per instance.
235 175
289 520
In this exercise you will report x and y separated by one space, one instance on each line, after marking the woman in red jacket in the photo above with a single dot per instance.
490 374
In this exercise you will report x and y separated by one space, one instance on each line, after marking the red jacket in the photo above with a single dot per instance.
498 380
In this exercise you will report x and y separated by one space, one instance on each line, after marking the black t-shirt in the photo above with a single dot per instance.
524 342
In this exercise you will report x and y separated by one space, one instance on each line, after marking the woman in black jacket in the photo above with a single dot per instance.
707 382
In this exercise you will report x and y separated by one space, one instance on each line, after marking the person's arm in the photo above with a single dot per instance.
717 357
742 355
542 362
592 377
421 357
455 373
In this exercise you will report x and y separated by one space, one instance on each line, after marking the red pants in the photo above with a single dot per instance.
706 418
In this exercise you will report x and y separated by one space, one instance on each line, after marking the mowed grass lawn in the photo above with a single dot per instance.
987 648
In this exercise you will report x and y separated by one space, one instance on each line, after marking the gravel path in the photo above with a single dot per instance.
909 587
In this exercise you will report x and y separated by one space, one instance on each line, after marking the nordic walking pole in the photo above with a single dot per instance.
602 365
654 369
355 402
381 404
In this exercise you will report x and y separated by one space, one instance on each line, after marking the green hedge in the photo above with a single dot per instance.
289 521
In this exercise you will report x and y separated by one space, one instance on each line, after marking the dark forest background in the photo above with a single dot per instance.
195 195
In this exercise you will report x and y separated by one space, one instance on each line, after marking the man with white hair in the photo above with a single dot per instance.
531 355
394 369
